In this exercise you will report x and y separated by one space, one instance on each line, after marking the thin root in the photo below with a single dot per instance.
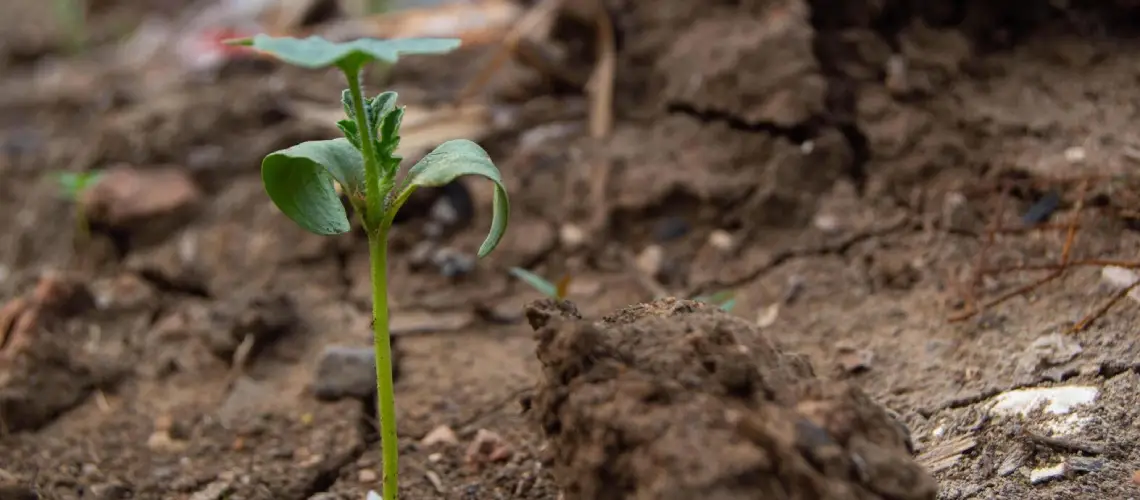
1085 322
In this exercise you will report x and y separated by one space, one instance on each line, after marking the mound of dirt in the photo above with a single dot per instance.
676 399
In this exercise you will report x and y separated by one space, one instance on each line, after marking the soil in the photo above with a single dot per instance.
838 166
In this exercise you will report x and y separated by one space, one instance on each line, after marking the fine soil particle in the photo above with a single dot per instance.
675 399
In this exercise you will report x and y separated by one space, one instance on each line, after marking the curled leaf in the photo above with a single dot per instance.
449 161
316 52
299 180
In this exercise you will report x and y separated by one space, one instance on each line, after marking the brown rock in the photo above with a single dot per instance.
126 197
42 370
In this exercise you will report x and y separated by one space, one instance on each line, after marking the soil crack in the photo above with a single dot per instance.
798 134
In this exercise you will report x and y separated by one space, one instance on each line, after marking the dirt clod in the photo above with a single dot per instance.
43 371
140 201
675 399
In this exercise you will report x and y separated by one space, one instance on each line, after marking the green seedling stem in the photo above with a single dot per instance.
73 185
300 182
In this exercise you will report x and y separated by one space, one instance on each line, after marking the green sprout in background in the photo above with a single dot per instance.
299 180
72 185
725 300
72 15
554 291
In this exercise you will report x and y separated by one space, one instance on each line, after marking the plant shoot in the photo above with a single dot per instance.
300 180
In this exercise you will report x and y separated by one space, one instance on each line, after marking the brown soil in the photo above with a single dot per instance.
835 164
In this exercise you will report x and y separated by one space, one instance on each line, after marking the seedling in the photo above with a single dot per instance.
554 291
300 180
73 185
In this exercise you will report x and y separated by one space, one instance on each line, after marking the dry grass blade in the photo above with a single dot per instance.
601 90
537 19
601 87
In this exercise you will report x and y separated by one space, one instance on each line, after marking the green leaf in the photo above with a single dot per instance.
316 52
451 160
299 180
346 101
74 184
348 128
378 107
537 282
390 140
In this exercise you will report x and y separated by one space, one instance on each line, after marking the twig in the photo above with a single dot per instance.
1100 311
1074 263
435 481
1064 444
529 22
1057 270
240 358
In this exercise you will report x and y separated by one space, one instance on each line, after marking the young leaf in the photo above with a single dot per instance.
390 140
346 101
451 160
74 184
348 128
537 282
316 52
299 181
378 107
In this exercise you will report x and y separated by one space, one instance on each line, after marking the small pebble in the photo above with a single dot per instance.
435 457
453 263
1044 474
721 240
1075 154
1119 277
670 229
827 223
440 435
650 260
1041 210
346 372
367 476
571 236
